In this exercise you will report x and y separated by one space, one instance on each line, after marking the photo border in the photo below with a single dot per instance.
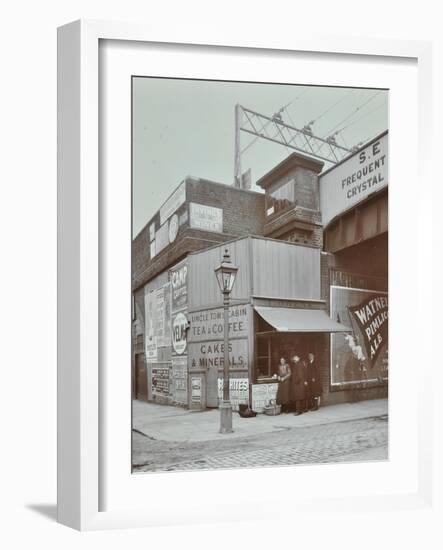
79 254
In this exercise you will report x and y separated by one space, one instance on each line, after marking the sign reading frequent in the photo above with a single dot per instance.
353 180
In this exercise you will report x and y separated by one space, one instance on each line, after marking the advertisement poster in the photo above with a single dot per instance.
163 316
238 391
160 381
179 286
206 218
180 379
362 356
150 324
262 395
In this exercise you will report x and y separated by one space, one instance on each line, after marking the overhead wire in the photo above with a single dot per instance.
330 132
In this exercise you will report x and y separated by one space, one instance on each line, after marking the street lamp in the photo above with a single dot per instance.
226 273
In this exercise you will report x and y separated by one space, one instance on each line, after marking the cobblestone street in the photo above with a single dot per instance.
342 441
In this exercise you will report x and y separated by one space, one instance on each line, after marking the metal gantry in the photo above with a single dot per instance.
275 129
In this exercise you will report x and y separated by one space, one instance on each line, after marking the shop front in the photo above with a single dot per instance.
285 332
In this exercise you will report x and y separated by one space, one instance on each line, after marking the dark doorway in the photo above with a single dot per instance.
141 379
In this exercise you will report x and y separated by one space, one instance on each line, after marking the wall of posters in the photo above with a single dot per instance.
362 356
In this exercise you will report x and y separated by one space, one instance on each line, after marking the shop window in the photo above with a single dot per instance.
263 366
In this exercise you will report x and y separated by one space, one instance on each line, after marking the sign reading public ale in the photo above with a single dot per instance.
371 316
362 356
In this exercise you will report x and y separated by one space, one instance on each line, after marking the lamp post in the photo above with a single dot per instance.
226 273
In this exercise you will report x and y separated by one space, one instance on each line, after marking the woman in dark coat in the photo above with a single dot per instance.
314 382
283 376
299 386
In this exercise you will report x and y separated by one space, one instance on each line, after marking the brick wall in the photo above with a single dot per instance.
243 214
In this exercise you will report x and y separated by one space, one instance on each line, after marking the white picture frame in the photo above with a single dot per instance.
81 296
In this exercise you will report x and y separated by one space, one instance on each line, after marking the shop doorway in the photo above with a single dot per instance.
271 346
212 387
141 378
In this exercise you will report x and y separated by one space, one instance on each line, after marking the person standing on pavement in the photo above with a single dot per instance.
299 386
283 376
314 383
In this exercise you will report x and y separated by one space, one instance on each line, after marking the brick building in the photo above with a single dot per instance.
311 250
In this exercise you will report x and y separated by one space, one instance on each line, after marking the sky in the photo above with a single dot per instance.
187 128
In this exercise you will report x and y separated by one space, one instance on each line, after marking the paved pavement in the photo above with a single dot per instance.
177 440
169 423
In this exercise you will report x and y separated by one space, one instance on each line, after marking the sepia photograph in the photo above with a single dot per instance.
259 274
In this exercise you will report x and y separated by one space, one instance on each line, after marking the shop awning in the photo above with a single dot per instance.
285 319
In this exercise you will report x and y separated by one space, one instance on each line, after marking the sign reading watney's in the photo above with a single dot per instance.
371 316
353 180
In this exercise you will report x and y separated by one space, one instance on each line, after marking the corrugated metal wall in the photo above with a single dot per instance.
279 270
203 289
283 270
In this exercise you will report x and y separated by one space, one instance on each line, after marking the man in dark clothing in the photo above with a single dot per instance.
299 385
314 383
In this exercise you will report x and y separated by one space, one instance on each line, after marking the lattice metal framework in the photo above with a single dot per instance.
276 130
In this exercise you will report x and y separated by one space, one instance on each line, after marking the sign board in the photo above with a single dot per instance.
179 329
163 315
210 354
262 394
238 391
174 202
152 231
371 317
178 276
150 323
353 180
209 324
180 379
196 389
161 238
160 381
362 356
173 228
207 218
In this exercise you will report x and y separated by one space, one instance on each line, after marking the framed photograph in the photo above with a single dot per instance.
228 255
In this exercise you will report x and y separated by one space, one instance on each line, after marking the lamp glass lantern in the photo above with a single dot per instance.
226 273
